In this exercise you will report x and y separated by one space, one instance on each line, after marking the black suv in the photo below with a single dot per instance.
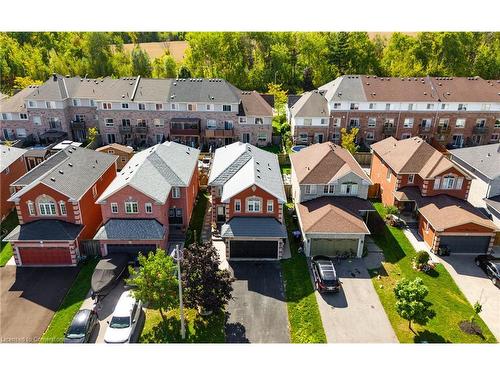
491 266
81 327
325 276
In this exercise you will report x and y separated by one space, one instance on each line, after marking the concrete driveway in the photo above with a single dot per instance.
257 313
355 314
28 299
476 286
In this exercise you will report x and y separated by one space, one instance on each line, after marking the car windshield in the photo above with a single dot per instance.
120 322
76 331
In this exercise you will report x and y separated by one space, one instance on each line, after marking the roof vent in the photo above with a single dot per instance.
70 164
52 179
61 172
425 92
175 83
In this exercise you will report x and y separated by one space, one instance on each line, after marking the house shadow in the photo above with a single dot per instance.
262 277
384 238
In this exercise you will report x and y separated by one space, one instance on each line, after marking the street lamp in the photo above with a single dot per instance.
181 305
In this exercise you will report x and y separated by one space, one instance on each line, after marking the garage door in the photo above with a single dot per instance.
332 247
45 256
253 249
130 249
466 244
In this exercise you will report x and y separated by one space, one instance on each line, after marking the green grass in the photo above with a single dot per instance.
70 304
275 149
197 218
199 329
7 226
286 169
303 312
447 300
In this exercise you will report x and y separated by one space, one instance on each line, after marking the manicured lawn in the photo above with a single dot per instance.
199 329
7 225
286 169
275 149
303 312
196 223
449 303
70 304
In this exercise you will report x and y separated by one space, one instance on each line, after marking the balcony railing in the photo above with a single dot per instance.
479 129
219 133
140 129
123 129
55 124
78 124
389 130
425 128
441 129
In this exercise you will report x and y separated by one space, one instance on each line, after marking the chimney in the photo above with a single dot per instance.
54 77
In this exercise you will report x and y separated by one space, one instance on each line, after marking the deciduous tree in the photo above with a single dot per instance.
410 302
349 139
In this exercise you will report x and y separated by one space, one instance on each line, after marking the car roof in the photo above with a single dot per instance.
81 317
327 270
124 305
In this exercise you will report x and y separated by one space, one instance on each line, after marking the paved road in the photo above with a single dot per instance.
355 314
28 299
476 286
257 313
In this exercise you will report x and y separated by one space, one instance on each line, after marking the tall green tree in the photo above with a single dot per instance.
97 52
141 65
348 140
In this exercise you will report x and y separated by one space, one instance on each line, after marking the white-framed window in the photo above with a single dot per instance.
62 208
23 116
243 120
141 122
310 189
92 103
148 207
445 106
131 207
159 138
262 137
349 189
114 208
485 107
443 122
106 105
335 137
460 182
329 189
5 116
408 123
497 123
77 103
460 123
388 175
208 107
124 105
354 106
448 182
21 132
31 208
109 122
426 122
31 104
37 120
405 135
430 106
411 178
50 105
190 107
370 136
226 108
354 123
111 137
388 106
228 125
270 205
372 122
324 121
94 190
437 182
141 106
494 137
303 137
372 106
336 105
158 122
462 107
254 204
389 122
159 106
336 122
410 106
237 205
173 106
308 121
259 121
126 122
47 207
211 124
176 192
480 123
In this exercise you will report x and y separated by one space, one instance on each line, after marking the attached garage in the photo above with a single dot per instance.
45 256
465 244
334 246
131 249
253 249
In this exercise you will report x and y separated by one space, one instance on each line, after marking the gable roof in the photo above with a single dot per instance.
240 165
310 104
322 163
72 172
413 156
485 159
253 104
15 103
116 146
9 155
155 170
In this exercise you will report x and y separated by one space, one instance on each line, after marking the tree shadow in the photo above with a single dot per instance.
236 333
429 337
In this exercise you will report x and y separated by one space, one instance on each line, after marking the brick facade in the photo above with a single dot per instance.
8 176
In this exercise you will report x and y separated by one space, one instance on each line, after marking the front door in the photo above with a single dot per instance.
221 213
175 216
246 137
458 140
319 138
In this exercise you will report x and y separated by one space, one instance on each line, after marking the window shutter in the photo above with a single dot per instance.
436 183
460 182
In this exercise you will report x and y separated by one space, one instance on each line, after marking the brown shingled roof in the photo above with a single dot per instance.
321 163
117 146
253 104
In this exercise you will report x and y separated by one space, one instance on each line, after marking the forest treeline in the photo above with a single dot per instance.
299 61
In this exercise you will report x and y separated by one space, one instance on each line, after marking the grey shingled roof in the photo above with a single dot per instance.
253 227
45 230
485 159
15 103
131 229
348 88
155 170
310 104
185 90
9 155
72 172
240 165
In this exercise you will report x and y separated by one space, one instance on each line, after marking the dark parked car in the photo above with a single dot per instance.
491 266
81 327
325 276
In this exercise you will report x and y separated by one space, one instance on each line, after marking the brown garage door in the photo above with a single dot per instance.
45 256
332 247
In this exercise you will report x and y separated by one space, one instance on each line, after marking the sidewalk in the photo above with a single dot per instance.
418 243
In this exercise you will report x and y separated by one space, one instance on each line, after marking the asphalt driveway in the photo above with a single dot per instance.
28 299
355 314
476 286
257 313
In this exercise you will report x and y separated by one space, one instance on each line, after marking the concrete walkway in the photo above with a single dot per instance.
419 244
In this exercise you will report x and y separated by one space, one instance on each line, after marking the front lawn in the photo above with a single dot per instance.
70 304
197 218
199 329
7 226
448 302
303 312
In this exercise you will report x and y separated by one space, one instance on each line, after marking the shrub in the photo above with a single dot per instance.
421 258
391 210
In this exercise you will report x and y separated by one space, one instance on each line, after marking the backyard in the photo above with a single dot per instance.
448 302
7 226
303 312
196 224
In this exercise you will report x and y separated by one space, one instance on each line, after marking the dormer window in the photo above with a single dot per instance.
462 107
106 105
142 106
190 107
124 105
354 106
336 105
226 108
259 121
173 106
159 106
47 207
254 204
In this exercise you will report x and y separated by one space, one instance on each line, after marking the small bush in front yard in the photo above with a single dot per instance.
421 258
391 210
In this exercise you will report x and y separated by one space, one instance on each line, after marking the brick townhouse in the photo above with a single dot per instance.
55 203
138 111
12 166
452 111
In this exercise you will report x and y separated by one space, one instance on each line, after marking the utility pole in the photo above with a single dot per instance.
181 305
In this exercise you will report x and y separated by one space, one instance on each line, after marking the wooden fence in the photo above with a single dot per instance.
363 158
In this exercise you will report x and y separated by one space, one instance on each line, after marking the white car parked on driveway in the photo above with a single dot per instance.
124 319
